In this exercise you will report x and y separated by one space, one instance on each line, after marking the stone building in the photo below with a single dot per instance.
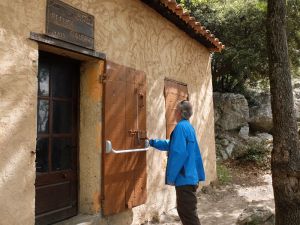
80 77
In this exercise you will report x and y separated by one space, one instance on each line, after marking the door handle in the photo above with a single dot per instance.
109 148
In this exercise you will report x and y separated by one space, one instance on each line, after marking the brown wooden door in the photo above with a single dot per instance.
174 92
56 148
124 175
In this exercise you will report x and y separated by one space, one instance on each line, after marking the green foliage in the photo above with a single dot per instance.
240 25
293 34
254 222
223 174
255 152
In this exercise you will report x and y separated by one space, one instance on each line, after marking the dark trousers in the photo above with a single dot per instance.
187 204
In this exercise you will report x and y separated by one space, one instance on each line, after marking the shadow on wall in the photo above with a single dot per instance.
156 129
202 100
18 63
203 105
17 141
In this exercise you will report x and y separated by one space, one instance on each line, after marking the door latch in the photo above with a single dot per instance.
141 135
102 78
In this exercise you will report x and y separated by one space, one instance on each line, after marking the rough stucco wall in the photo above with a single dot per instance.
134 35
18 96
90 133
130 33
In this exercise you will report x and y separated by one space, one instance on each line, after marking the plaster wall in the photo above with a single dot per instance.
131 34
134 35
18 97
90 137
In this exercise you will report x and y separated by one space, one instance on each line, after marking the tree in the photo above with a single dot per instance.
286 152
240 25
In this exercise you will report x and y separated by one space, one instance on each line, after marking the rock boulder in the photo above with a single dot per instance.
231 111
261 114
258 215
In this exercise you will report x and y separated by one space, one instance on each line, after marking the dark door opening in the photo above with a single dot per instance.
57 139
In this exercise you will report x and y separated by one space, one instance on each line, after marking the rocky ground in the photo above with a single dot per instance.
222 204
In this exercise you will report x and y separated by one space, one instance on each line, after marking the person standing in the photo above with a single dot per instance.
184 166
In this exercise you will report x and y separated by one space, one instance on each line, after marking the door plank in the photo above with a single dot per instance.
123 175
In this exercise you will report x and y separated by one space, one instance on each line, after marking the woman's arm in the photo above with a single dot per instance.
163 145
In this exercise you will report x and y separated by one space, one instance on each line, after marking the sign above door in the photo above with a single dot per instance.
69 24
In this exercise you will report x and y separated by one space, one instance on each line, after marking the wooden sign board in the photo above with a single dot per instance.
69 24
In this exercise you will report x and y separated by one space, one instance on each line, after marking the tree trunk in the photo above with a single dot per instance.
285 154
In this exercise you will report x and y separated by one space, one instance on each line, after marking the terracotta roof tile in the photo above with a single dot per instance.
186 22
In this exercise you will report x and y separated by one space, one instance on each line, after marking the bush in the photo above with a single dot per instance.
255 152
223 173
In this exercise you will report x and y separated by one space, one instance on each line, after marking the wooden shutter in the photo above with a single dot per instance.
124 175
174 92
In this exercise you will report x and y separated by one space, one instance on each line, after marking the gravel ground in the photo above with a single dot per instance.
223 204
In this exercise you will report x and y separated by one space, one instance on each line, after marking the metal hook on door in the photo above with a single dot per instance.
139 104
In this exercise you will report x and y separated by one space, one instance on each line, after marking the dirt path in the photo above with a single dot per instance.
223 204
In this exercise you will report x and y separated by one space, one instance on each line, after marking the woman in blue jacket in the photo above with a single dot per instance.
184 166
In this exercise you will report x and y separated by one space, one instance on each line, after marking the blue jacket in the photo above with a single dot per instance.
184 166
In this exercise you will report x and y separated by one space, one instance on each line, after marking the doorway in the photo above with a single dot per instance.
57 139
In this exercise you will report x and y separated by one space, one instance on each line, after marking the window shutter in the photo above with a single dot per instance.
124 175
174 92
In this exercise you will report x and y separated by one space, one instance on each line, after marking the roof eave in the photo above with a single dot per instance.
175 14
